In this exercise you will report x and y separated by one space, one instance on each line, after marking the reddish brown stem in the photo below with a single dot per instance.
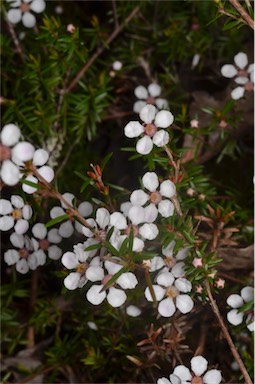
236 4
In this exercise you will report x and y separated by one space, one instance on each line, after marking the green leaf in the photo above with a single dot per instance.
114 278
31 184
111 248
92 247
105 160
56 220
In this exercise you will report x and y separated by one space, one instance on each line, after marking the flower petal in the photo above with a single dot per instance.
237 93
71 281
133 129
166 208
22 266
47 173
198 365
69 197
164 119
28 188
183 285
66 229
166 307
54 252
229 71
69 260
118 220
212 377
241 80
5 207
184 303
165 278
139 197
14 16
161 103
148 113
158 291
154 90
116 297
85 208
127 280
161 138
156 263
38 6
102 217
149 231
235 301
136 214
40 157
22 151
133 311
141 92
241 60
11 256
138 105
28 20
144 145
183 373
95 273
10 173
39 231
167 189
151 213
10 135
21 226
235 317
150 181
247 294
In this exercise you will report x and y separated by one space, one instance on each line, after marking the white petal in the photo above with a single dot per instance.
138 105
183 373
183 285
116 297
56 212
247 294
10 135
237 93
125 207
156 263
164 119
141 92
95 273
92 325
184 303
39 231
151 213
136 214
10 173
138 245
139 197
117 65
118 220
28 188
23 151
85 208
71 281
149 231
17 241
144 145
198 365
113 267
165 278
40 157
178 270
166 208
38 6
127 280
150 181
94 296
166 307
154 89
22 266
102 217
11 256
241 80
158 291
148 113
47 173
167 188
54 252
53 236
168 251
17 201
235 301
66 229
133 311
5 207
69 260
182 253
21 226
229 71
212 377
163 380
241 60
175 379
133 129
161 103
86 254
234 317
40 259
69 197
161 138
14 16
86 231
28 20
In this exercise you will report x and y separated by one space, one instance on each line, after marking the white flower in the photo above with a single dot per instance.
151 134
133 311
46 241
20 11
25 257
182 375
175 289
115 296
15 214
167 189
236 302
169 261
78 260
66 228
149 96
242 73
117 65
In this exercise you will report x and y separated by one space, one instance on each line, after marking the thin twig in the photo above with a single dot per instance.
236 4
222 10
100 50
115 15
64 162
227 335
15 39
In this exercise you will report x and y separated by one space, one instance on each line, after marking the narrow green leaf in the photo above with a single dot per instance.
56 220
105 160
114 278
31 184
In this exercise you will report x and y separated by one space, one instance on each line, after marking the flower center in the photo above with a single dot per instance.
44 244
100 235
23 253
172 292
17 213
249 86
106 279
135 230
24 7
150 129
82 268
197 380
150 100
243 73
170 261
5 152
155 197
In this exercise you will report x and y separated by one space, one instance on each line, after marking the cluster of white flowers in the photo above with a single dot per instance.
152 130
235 301
21 11
197 374
149 95
15 214
17 156
242 73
